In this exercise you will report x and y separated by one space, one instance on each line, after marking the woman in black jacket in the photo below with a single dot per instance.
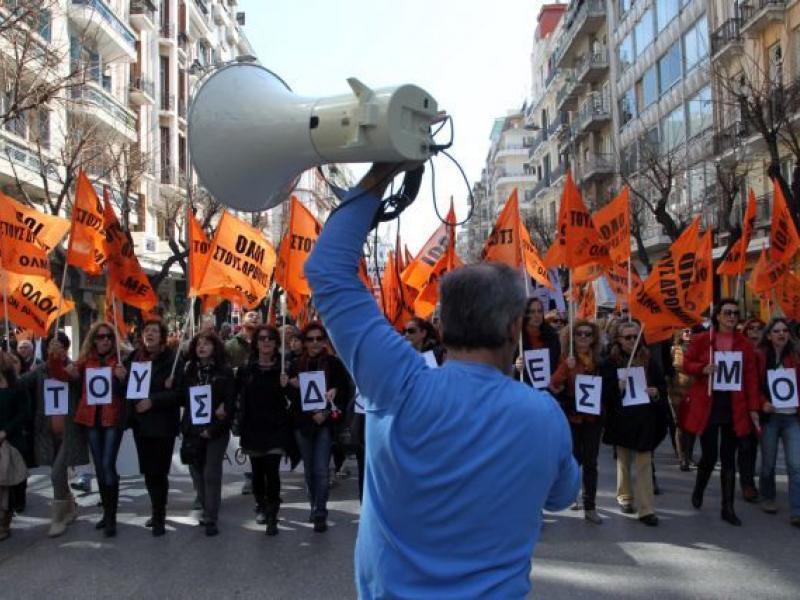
155 420
637 429
265 422
206 422
313 428
13 416
537 334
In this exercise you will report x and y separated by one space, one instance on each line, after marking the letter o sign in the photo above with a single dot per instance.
783 388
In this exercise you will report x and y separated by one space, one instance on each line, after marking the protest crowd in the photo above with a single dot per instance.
670 364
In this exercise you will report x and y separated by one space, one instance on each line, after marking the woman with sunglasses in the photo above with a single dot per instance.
635 431
265 423
720 418
104 423
204 445
422 335
778 350
586 429
537 334
313 429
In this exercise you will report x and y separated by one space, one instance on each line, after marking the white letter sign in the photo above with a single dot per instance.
200 404
728 373
139 380
783 388
312 390
56 397
587 394
98 386
635 387
537 363
430 359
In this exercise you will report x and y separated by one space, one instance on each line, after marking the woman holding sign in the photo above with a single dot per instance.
265 421
633 386
537 334
779 366
210 399
320 385
13 416
723 410
578 387
100 412
154 384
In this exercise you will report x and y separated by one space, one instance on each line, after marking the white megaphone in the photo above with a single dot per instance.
250 137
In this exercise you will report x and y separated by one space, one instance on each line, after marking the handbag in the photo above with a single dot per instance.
12 466
193 450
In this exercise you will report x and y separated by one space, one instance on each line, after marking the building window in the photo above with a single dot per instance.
627 106
701 113
666 11
796 42
775 61
625 53
650 86
669 67
624 6
645 31
696 43
673 129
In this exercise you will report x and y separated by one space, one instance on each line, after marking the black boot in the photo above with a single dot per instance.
19 496
272 519
728 481
159 522
101 524
703 475
112 500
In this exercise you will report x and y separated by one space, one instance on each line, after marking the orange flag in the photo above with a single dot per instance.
613 222
587 273
304 229
33 302
510 243
617 278
577 240
199 246
119 321
126 280
701 289
425 302
87 240
241 259
736 259
19 250
47 229
766 275
418 271
783 238
789 296
588 306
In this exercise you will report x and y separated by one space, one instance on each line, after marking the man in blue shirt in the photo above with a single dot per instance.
461 460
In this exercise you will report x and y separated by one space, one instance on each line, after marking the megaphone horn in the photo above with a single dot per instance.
250 136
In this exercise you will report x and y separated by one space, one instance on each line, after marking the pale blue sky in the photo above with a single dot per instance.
473 56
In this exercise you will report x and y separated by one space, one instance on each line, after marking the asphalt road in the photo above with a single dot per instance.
692 554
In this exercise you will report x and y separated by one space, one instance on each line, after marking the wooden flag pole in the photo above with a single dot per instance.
283 334
570 313
116 333
633 353
5 312
61 295
711 347
630 290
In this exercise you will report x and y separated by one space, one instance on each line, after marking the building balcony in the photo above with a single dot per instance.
757 15
733 136
166 33
654 238
167 103
558 124
726 41
112 114
513 177
513 149
592 68
116 42
536 142
143 15
25 157
218 13
596 167
542 186
568 95
557 174
197 19
588 18
593 116
551 77
142 91
232 35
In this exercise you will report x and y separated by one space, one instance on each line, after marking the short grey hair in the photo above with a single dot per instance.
479 304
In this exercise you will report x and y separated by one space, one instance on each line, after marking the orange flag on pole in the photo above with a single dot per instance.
617 278
199 247
425 302
126 279
766 274
577 240
240 259
783 238
418 271
701 289
48 230
588 306
33 302
613 222
736 259
87 240
296 246
789 296
19 250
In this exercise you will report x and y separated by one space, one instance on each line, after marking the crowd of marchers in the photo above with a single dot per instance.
253 379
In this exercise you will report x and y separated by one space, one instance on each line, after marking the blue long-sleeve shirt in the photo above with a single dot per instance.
461 460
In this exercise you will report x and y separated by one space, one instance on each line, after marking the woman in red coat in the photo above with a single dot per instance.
720 418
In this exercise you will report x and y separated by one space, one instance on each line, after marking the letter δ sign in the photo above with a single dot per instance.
139 380
312 390
588 391
728 373
98 386
537 364
783 388
200 404
56 397
635 387
430 359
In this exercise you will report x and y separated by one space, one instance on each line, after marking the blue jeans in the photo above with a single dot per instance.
104 443
316 452
786 427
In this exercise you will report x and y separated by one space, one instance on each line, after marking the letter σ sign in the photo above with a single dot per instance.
56 397
783 388
588 391
312 390
728 373
635 387
139 380
98 386
200 404
537 364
